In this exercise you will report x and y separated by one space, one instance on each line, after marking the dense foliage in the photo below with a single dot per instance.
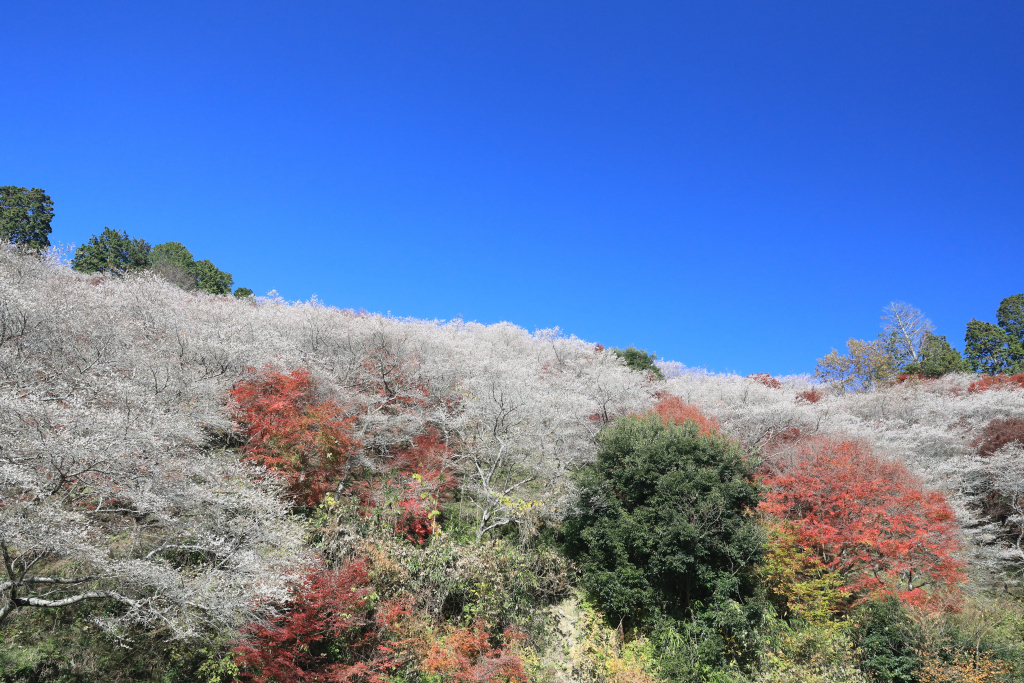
867 519
998 348
936 358
205 488
660 524
25 216
176 263
113 251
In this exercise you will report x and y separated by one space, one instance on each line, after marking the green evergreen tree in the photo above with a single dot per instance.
172 252
995 349
936 358
25 216
112 251
660 529
243 292
1010 317
638 359
211 279
176 263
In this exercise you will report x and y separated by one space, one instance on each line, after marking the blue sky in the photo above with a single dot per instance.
740 186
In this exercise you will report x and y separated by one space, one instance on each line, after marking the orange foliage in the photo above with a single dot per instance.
868 519
292 430
466 656
766 379
997 382
970 668
673 410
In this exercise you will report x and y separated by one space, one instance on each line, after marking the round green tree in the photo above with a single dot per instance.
661 527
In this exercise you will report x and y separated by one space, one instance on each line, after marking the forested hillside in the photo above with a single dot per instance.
197 487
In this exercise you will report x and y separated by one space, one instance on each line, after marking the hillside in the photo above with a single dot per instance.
197 487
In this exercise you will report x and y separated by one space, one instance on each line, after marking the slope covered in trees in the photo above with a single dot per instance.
199 487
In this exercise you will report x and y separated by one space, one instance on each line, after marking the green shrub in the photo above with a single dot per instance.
887 640
638 359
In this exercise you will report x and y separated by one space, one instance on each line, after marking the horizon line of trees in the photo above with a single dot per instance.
26 215
908 347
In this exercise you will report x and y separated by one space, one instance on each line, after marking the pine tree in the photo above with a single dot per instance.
998 349
113 251
25 216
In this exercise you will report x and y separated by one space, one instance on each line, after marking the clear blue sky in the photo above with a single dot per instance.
736 185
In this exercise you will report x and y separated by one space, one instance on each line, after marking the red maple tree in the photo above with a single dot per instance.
329 631
867 518
293 430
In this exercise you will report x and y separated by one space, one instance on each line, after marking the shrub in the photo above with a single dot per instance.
407 495
998 433
963 668
811 395
330 629
465 655
600 654
997 382
765 379
886 637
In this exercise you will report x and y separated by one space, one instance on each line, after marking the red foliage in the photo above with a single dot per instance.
868 519
812 395
325 632
997 382
330 631
998 433
417 481
766 379
466 656
294 431
900 379
673 410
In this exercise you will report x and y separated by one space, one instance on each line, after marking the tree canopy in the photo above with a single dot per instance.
25 216
175 262
660 523
112 251
906 329
998 348
936 358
